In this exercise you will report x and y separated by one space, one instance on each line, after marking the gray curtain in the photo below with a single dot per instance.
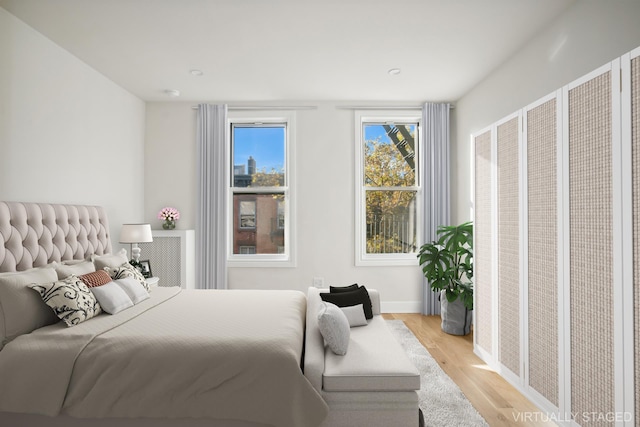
435 161
211 240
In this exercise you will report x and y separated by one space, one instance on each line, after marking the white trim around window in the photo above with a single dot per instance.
362 258
288 256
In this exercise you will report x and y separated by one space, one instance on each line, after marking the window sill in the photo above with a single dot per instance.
383 261
261 262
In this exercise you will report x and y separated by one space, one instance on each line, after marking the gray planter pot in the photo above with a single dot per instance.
456 318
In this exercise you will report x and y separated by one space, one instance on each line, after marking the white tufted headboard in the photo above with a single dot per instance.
35 234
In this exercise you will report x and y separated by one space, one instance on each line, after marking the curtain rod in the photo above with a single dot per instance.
382 107
313 107
267 107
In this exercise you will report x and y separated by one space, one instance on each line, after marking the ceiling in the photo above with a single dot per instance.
282 50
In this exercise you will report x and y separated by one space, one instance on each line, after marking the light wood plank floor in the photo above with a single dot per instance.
493 397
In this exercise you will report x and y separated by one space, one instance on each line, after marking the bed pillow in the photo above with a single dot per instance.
111 297
334 327
132 287
77 269
349 298
97 278
110 260
355 315
70 299
72 261
337 289
22 310
127 270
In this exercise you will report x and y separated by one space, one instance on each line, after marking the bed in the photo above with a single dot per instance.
180 358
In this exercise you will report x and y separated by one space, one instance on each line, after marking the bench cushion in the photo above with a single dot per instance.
375 362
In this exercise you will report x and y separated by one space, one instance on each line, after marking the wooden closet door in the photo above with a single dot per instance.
542 248
635 141
591 282
508 232
483 281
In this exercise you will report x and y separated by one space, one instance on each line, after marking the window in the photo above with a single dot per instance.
280 214
388 216
260 191
247 210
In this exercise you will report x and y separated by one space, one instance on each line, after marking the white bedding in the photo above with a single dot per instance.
228 354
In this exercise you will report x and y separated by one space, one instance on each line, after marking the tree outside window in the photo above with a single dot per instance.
390 186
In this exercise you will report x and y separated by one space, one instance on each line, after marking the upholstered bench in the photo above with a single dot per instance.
373 384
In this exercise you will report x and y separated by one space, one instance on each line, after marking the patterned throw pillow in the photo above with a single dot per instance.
127 270
70 299
97 278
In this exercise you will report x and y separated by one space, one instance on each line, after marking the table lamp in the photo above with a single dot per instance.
134 234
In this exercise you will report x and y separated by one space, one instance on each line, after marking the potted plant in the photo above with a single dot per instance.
447 263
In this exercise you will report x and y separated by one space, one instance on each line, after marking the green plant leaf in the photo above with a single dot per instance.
447 263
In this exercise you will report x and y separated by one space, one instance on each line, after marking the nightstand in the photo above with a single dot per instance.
152 282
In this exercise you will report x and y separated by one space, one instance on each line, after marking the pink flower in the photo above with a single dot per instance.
169 214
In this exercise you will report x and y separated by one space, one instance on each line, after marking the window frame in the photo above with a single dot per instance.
247 248
255 219
362 258
259 117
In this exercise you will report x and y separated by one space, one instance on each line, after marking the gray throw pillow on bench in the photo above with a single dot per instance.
334 327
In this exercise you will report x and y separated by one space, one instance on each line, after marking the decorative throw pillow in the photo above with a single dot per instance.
111 297
77 269
132 287
334 327
127 270
70 299
355 315
21 310
349 298
336 289
110 260
97 278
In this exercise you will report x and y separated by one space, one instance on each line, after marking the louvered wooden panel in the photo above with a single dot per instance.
542 236
483 246
635 140
591 247
508 245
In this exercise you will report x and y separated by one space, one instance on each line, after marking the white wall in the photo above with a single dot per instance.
325 201
589 34
67 133
170 162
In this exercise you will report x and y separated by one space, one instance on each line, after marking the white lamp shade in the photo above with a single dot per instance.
136 233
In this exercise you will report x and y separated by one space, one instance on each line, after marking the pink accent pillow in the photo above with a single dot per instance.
97 278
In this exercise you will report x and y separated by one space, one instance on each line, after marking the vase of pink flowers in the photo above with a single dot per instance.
169 216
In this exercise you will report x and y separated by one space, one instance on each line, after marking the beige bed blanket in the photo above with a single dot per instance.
228 354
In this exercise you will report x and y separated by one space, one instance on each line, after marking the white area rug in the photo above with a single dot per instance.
441 401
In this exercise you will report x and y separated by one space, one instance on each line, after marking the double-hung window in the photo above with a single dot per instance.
260 191
388 192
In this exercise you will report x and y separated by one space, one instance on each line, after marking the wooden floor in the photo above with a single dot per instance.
493 397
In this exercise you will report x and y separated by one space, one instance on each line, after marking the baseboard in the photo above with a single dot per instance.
401 306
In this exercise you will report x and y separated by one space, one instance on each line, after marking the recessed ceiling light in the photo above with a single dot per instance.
394 71
196 72
172 93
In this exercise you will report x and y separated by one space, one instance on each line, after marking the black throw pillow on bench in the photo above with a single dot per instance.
350 298
336 289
